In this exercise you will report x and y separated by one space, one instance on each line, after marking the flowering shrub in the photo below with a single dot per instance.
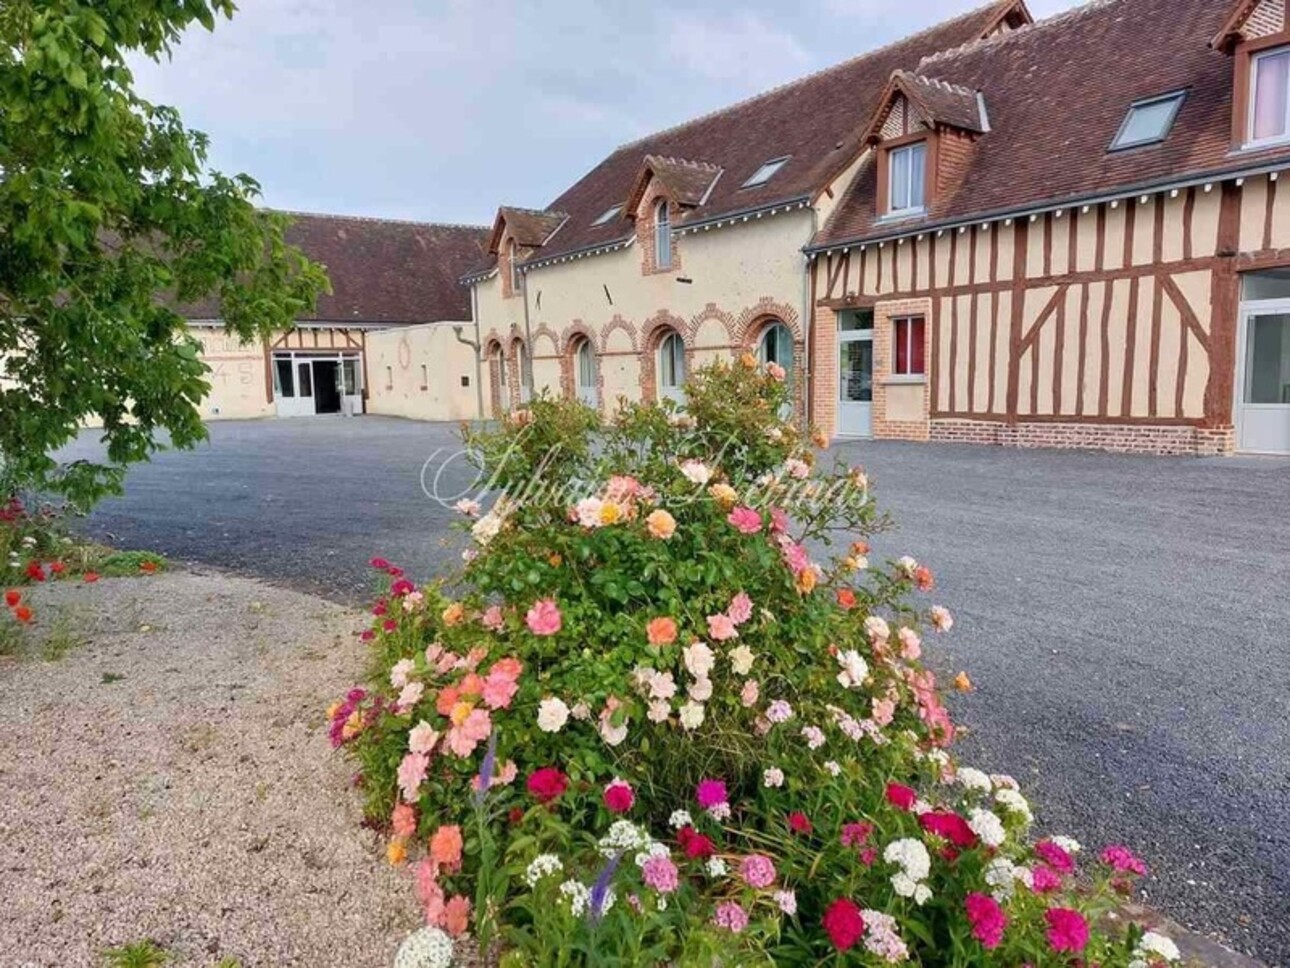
655 722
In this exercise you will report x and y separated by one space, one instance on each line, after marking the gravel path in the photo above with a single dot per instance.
168 778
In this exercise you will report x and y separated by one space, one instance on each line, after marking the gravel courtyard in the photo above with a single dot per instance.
1126 620
169 778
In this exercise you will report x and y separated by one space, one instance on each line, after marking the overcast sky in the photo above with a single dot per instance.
443 109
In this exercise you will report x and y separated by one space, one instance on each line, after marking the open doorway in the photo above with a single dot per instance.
326 386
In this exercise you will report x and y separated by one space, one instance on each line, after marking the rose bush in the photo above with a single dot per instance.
669 713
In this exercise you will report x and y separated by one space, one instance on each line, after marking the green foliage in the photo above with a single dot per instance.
657 620
138 954
109 217
123 564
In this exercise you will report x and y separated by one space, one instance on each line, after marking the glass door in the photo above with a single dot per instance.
855 374
1263 407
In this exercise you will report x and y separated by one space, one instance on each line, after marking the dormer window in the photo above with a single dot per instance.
907 179
662 235
1148 121
766 172
1270 96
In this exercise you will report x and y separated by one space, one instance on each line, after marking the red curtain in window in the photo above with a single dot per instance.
909 346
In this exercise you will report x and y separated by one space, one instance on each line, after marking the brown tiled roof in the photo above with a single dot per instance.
381 270
528 227
817 121
1232 23
686 181
942 102
1056 94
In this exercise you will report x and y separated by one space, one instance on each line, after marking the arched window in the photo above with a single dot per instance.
662 235
499 366
584 373
522 367
671 368
776 346
517 278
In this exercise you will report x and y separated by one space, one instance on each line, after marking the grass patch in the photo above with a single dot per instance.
139 954
123 564
63 636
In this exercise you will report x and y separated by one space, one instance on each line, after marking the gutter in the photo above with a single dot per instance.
1084 201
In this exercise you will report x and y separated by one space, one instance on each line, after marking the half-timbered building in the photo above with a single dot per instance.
1072 235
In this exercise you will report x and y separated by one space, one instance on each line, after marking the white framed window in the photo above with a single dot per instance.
671 368
517 277
662 235
907 179
766 172
1270 96
608 215
1148 121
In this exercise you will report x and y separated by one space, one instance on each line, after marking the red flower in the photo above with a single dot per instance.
619 797
843 924
401 588
147 567
1056 856
23 614
394 571
547 784
1067 929
846 598
515 815
12 597
1122 859
799 823
34 571
90 577
923 578
695 844
379 563
947 824
988 919
901 797
57 567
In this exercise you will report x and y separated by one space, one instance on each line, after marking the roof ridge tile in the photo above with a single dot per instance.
380 219
1018 33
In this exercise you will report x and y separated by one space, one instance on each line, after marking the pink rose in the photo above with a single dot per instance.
544 617
741 609
745 519
492 618
721 628
463 739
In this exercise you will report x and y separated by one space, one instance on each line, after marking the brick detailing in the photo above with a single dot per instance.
824 374
552 338
496 362
574 335
514 378
753 320
619 323
645 231
890 421
711 311
1116 438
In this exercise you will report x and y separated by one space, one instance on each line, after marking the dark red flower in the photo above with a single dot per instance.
34 571
402 587
12 597
379 563
619 797
843 923
515 815
947 824
547 784
901 797
799 823
394 571
695 844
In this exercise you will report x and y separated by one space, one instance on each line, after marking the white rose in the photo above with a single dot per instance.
696 472
692 715
552 715
741 660
701 690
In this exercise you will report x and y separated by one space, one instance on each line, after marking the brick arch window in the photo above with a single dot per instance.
775 345
669 364
497 391
523 375
662 235
584 371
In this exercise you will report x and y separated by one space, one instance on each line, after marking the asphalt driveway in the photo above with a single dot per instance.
1126 619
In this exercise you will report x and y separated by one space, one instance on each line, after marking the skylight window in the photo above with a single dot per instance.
608 216
766 172
1148 121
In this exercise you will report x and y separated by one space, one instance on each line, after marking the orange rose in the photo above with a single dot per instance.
456 915
962 683
661 630
445 847
453 614
846 598
724 494
472 684
446 699
661 524
806 581
748 361
397 852
555 561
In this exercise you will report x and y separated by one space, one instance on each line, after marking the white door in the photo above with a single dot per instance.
293 386
585 374
855 374
1263 387
351 374
671 369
